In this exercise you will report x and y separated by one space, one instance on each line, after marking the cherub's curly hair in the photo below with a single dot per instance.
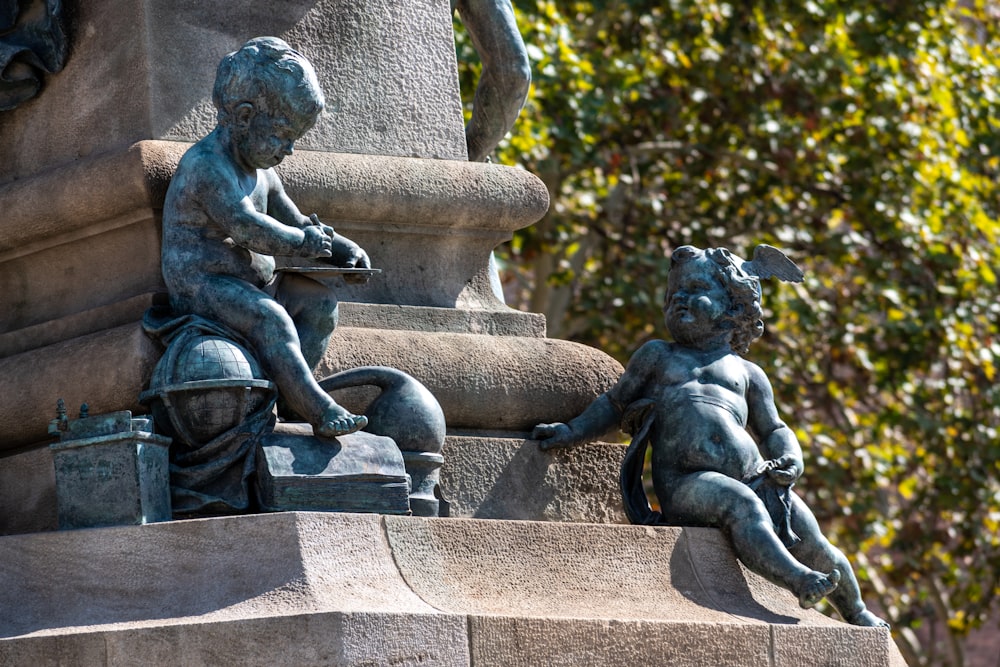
269 74
745 315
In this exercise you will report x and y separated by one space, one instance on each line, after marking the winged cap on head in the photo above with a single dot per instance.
769 262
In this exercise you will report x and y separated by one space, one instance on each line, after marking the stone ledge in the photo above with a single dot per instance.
500 322
484 476
506 476
62 329
420 192
83 240
319 638
481 381
400 191
508 383
106 370
524 592
502 641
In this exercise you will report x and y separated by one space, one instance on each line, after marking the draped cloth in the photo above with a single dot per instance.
209 478
637 420
32 42
777 498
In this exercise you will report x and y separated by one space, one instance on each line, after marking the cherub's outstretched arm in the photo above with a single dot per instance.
606 411
600 417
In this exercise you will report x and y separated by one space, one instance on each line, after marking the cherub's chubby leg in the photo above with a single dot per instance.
313 308
713 499
815 551
269 328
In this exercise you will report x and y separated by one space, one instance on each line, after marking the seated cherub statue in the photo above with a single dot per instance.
721 456
226 215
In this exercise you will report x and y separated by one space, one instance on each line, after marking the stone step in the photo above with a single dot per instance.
481 381
484 476
345 589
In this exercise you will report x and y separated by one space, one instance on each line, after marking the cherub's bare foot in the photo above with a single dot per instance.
867 619
337 421
816 586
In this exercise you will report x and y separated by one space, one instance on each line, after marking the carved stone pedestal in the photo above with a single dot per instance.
327 589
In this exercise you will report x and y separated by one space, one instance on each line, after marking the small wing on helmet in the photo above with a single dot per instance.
768 261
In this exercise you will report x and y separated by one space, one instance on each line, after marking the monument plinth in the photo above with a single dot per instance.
312 588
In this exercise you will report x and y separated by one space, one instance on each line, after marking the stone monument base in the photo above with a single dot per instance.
349 589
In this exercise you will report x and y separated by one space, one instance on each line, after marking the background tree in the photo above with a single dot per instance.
860 136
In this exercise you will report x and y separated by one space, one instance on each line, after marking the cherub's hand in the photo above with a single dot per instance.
317 243
327 229
785 470
347 254
553 436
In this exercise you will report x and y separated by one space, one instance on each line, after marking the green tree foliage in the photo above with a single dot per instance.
862 137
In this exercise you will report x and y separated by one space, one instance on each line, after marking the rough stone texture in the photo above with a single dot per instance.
448 320
483 382
144 69
244 567
559 570
106 370
834 647
314 588
429 224
80 245
505 476
325 638
28 493
82 199
447 194
529 642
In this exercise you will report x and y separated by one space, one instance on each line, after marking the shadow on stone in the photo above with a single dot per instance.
518 481
521 484
703 555
109 575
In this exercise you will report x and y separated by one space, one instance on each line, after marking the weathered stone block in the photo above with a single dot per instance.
339 589
528 642
506 476
144 69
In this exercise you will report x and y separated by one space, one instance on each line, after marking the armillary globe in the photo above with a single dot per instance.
206 388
